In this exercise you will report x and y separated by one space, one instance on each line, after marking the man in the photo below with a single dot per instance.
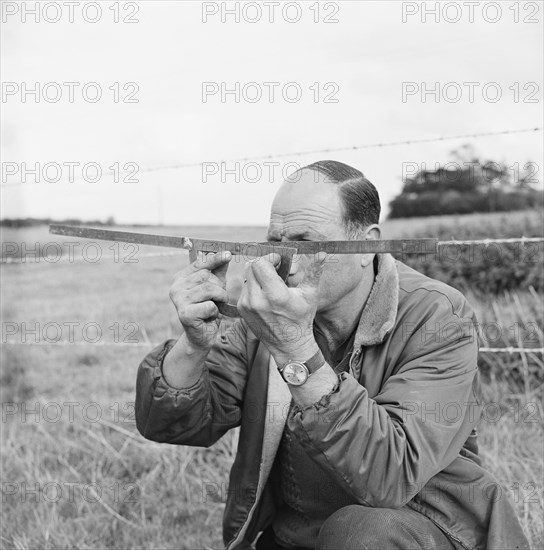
355 384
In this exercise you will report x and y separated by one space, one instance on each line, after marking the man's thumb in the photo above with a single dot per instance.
314 271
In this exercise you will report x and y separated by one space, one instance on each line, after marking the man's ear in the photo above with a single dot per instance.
372 232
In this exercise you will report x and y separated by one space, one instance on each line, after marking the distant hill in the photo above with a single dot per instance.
31 222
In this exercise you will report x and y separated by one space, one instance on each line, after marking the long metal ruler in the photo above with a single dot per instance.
406 246
286 249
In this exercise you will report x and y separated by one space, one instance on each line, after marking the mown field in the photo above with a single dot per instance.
76 474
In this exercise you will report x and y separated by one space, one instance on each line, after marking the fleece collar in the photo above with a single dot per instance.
380 311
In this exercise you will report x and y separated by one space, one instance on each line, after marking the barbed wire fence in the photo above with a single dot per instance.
377 145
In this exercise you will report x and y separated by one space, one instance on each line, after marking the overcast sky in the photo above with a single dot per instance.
361 61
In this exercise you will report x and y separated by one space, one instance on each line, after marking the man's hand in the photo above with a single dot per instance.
280 316
194 291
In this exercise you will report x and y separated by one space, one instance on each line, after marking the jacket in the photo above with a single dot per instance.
398 429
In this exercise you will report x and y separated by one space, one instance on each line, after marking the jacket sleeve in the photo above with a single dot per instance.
198 415
413 428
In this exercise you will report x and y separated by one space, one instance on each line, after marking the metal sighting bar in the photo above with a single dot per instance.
286 249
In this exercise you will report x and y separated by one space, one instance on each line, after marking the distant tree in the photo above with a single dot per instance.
467 184
29 222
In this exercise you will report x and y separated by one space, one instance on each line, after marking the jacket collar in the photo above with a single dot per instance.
380 311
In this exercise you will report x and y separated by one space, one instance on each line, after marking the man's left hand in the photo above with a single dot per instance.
280 316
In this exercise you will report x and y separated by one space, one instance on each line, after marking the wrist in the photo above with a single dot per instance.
318 385
182 364
300 353
190 349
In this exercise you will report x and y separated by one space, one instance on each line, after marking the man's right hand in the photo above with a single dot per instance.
194 291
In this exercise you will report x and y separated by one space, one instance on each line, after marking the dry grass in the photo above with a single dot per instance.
511 436
162 496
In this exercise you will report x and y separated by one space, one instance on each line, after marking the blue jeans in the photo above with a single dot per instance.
357 527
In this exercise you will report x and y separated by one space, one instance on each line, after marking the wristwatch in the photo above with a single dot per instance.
296 373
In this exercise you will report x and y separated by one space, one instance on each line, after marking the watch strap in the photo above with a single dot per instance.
316 361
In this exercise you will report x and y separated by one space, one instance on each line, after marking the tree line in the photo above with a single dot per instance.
468 184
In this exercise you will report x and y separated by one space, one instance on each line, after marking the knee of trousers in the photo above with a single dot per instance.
356 527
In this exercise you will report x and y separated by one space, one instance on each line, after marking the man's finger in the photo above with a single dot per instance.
199 277
274 259
264 270
252 286
221 271
202 310
208 291
211 261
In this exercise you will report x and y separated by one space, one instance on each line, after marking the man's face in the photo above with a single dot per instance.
308 208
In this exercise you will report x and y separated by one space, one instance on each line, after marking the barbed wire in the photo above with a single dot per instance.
508 349
491 241
347 148
194 164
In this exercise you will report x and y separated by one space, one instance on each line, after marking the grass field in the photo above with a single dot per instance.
75 472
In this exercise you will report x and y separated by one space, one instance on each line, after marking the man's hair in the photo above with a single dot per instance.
359 199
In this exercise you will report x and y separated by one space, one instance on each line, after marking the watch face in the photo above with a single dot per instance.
295 373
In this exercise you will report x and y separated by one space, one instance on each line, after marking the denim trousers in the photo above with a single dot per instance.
357 527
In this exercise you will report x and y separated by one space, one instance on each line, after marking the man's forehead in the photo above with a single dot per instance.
306 192
296 227
305 208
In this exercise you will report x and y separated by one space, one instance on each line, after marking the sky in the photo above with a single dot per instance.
339 70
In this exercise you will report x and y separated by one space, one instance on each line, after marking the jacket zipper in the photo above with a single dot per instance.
352 359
